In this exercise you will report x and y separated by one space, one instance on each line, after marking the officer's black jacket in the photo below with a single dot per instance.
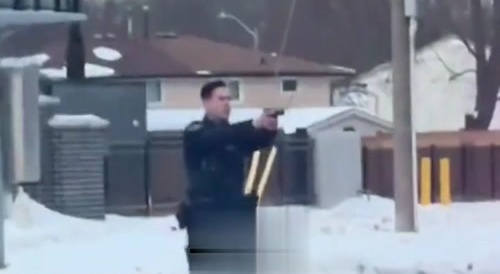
214 155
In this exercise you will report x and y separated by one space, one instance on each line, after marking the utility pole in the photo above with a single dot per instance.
404 143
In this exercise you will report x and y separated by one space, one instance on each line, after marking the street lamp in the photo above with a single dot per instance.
253 32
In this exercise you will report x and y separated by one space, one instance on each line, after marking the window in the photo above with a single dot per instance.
154 92
234 89
289 85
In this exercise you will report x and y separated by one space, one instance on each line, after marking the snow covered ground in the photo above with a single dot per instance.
354 237
39 241
357 237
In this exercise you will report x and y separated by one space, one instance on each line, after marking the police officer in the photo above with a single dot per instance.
219 218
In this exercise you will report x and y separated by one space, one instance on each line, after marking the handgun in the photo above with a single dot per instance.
273 112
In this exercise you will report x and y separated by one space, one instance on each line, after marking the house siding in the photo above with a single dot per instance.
255 92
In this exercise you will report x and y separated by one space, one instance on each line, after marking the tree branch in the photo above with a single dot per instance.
448 68
453 74
468 45
453 24
462 73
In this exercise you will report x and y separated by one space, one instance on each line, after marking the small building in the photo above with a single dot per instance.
336 133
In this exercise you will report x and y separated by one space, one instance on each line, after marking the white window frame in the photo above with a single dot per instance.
282 80
161 102
240 89
240 86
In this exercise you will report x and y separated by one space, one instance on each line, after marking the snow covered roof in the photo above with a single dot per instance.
293 119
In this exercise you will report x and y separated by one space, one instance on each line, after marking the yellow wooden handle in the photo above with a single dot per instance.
265 175
252 173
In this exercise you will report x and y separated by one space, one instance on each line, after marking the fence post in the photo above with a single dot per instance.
79 148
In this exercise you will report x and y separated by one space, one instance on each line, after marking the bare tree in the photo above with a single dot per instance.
477 24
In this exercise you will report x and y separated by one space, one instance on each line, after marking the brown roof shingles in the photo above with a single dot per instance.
182 56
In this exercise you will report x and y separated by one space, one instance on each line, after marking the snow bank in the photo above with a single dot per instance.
107 54
293 119
358 235
19 62
77 121
91 70
445 87
51 243
45 100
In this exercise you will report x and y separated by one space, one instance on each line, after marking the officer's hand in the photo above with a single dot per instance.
266 122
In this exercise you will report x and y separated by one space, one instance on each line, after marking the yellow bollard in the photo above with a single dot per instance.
444 181
425 181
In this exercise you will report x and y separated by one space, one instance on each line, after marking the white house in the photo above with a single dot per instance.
441 98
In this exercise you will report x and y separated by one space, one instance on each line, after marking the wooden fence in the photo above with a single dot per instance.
473 157
150 178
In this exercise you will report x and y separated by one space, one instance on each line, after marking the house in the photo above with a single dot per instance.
175 67
444 87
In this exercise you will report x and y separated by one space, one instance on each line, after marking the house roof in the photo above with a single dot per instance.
182 56
293 119
358 113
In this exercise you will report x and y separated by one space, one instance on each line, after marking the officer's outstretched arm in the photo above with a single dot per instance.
203 137
258 139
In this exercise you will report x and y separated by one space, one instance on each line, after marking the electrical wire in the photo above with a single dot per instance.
286 34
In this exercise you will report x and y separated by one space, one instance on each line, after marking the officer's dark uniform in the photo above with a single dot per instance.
219 218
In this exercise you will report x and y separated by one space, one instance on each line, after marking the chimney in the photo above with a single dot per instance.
75 49
130 23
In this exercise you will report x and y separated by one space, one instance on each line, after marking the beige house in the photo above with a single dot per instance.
299 91
175 67
251 76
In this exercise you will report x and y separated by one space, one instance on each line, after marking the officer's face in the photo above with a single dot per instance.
219 104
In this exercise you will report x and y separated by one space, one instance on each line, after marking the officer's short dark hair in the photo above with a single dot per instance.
208 88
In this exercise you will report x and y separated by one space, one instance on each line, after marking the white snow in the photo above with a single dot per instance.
358 235
295 118
77 121
441 98
45 100
18 62
50 243
91 70
107 54
354 237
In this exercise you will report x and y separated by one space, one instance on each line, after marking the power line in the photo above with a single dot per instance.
286 34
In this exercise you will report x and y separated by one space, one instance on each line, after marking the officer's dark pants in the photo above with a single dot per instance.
222 239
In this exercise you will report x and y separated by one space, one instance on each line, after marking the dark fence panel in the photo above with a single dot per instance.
297 176
167 178
153 176
496 171
126 185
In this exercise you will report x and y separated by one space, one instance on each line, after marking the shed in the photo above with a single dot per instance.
336 133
